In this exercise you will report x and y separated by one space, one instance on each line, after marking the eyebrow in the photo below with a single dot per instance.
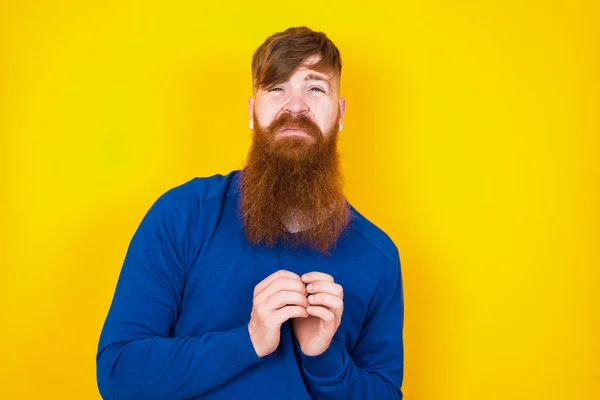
315 77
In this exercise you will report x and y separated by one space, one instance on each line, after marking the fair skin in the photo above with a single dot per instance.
313 302
326 306
306 92
282 296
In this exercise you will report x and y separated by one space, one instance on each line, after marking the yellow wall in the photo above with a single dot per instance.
471 137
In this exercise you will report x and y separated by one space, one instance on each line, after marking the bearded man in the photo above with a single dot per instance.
264 283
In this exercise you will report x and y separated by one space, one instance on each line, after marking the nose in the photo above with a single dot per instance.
296 104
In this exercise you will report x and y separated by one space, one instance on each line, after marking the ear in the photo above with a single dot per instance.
251 110
342 105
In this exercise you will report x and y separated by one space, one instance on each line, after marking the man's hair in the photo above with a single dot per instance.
279 56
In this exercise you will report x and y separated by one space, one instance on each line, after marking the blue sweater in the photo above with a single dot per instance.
177 327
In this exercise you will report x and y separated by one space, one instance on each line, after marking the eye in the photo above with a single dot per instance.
275 89
318 89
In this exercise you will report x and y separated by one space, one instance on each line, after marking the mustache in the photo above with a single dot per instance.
297 122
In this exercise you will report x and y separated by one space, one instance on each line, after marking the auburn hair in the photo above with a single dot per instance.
281 53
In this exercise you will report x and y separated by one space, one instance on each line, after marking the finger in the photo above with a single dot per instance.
327 300
279 284
288 312
316 276
285 297
321 312
326 287
265 282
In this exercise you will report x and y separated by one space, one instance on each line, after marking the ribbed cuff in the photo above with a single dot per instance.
327 364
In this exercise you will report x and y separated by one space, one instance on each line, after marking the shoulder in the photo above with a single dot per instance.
374 239
188 197
383 259
184 211
184 203
200 189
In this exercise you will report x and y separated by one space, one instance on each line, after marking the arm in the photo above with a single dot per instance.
136 357
375 368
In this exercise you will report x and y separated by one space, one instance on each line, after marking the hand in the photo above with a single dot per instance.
277 298
315 332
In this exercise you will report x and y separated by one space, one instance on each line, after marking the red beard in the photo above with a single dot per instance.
293 177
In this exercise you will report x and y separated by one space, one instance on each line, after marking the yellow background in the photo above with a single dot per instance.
471 137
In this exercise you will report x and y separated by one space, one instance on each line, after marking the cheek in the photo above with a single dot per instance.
324 115
265 113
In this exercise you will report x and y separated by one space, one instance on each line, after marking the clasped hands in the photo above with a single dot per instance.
313 302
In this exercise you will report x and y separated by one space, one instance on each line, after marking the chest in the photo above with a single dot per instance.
219 285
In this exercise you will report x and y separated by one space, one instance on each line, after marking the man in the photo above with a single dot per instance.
265 283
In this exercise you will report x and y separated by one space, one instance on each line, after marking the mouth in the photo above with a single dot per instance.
292 131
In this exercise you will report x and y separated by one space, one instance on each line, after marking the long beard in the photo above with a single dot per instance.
293 179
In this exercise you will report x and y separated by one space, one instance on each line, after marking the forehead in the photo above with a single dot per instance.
303 73
306 72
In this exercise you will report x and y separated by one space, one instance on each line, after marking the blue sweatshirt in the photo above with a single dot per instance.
177 327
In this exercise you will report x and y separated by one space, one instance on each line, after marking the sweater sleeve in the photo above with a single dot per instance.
375 368
136 358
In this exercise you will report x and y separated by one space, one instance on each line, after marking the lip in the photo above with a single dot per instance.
293 132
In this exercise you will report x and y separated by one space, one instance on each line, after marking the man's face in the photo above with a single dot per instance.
309 96
293 168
